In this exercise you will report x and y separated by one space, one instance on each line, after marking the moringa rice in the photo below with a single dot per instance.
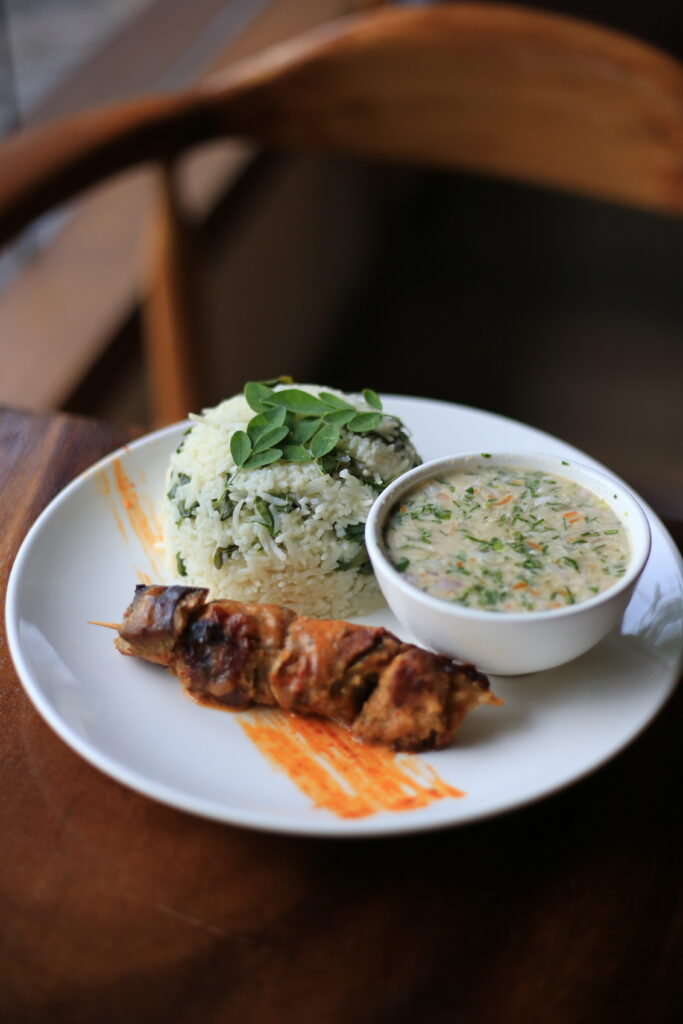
288 533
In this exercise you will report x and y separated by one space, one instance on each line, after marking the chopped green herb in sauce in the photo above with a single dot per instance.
508 540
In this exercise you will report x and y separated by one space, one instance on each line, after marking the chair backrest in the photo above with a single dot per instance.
495 89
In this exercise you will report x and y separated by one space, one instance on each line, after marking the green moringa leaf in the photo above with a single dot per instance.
224 505
240 447
372 398
340 417
273 416
324 440
330 463
296 453
220 554
299 402
334 401
362 422
303 430
359 561
264 511
269 438
259 396
259 459
355 532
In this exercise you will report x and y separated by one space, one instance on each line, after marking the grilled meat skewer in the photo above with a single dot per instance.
234 655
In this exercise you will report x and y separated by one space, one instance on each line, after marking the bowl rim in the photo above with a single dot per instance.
640 551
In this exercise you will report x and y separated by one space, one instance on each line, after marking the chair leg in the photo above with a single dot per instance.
170 321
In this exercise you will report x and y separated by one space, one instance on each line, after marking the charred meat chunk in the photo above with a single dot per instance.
234 655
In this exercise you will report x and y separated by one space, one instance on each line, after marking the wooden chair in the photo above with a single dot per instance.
495 89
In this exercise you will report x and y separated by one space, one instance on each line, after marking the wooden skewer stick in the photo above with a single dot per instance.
107 625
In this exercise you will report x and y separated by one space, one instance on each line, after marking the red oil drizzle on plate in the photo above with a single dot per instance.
142 523
335 772
104 487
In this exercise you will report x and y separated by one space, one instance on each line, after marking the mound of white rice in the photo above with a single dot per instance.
287 533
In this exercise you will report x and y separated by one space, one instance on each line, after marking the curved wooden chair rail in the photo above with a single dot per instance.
502 90
495 89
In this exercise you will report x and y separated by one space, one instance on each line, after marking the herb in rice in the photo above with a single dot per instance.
268 493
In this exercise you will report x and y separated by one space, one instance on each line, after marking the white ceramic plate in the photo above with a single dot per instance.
84 554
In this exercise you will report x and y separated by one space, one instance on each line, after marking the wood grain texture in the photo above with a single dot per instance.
115 908
497 89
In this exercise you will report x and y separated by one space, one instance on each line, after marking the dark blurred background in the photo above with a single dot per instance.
562 312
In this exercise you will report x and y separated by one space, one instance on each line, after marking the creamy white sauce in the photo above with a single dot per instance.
506 540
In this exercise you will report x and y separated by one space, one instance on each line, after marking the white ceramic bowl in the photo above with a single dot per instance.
510 643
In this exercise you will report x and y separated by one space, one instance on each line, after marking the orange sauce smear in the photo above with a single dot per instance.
336 773
143 524
103 486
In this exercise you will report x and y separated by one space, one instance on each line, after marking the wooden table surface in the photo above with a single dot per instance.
116 908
